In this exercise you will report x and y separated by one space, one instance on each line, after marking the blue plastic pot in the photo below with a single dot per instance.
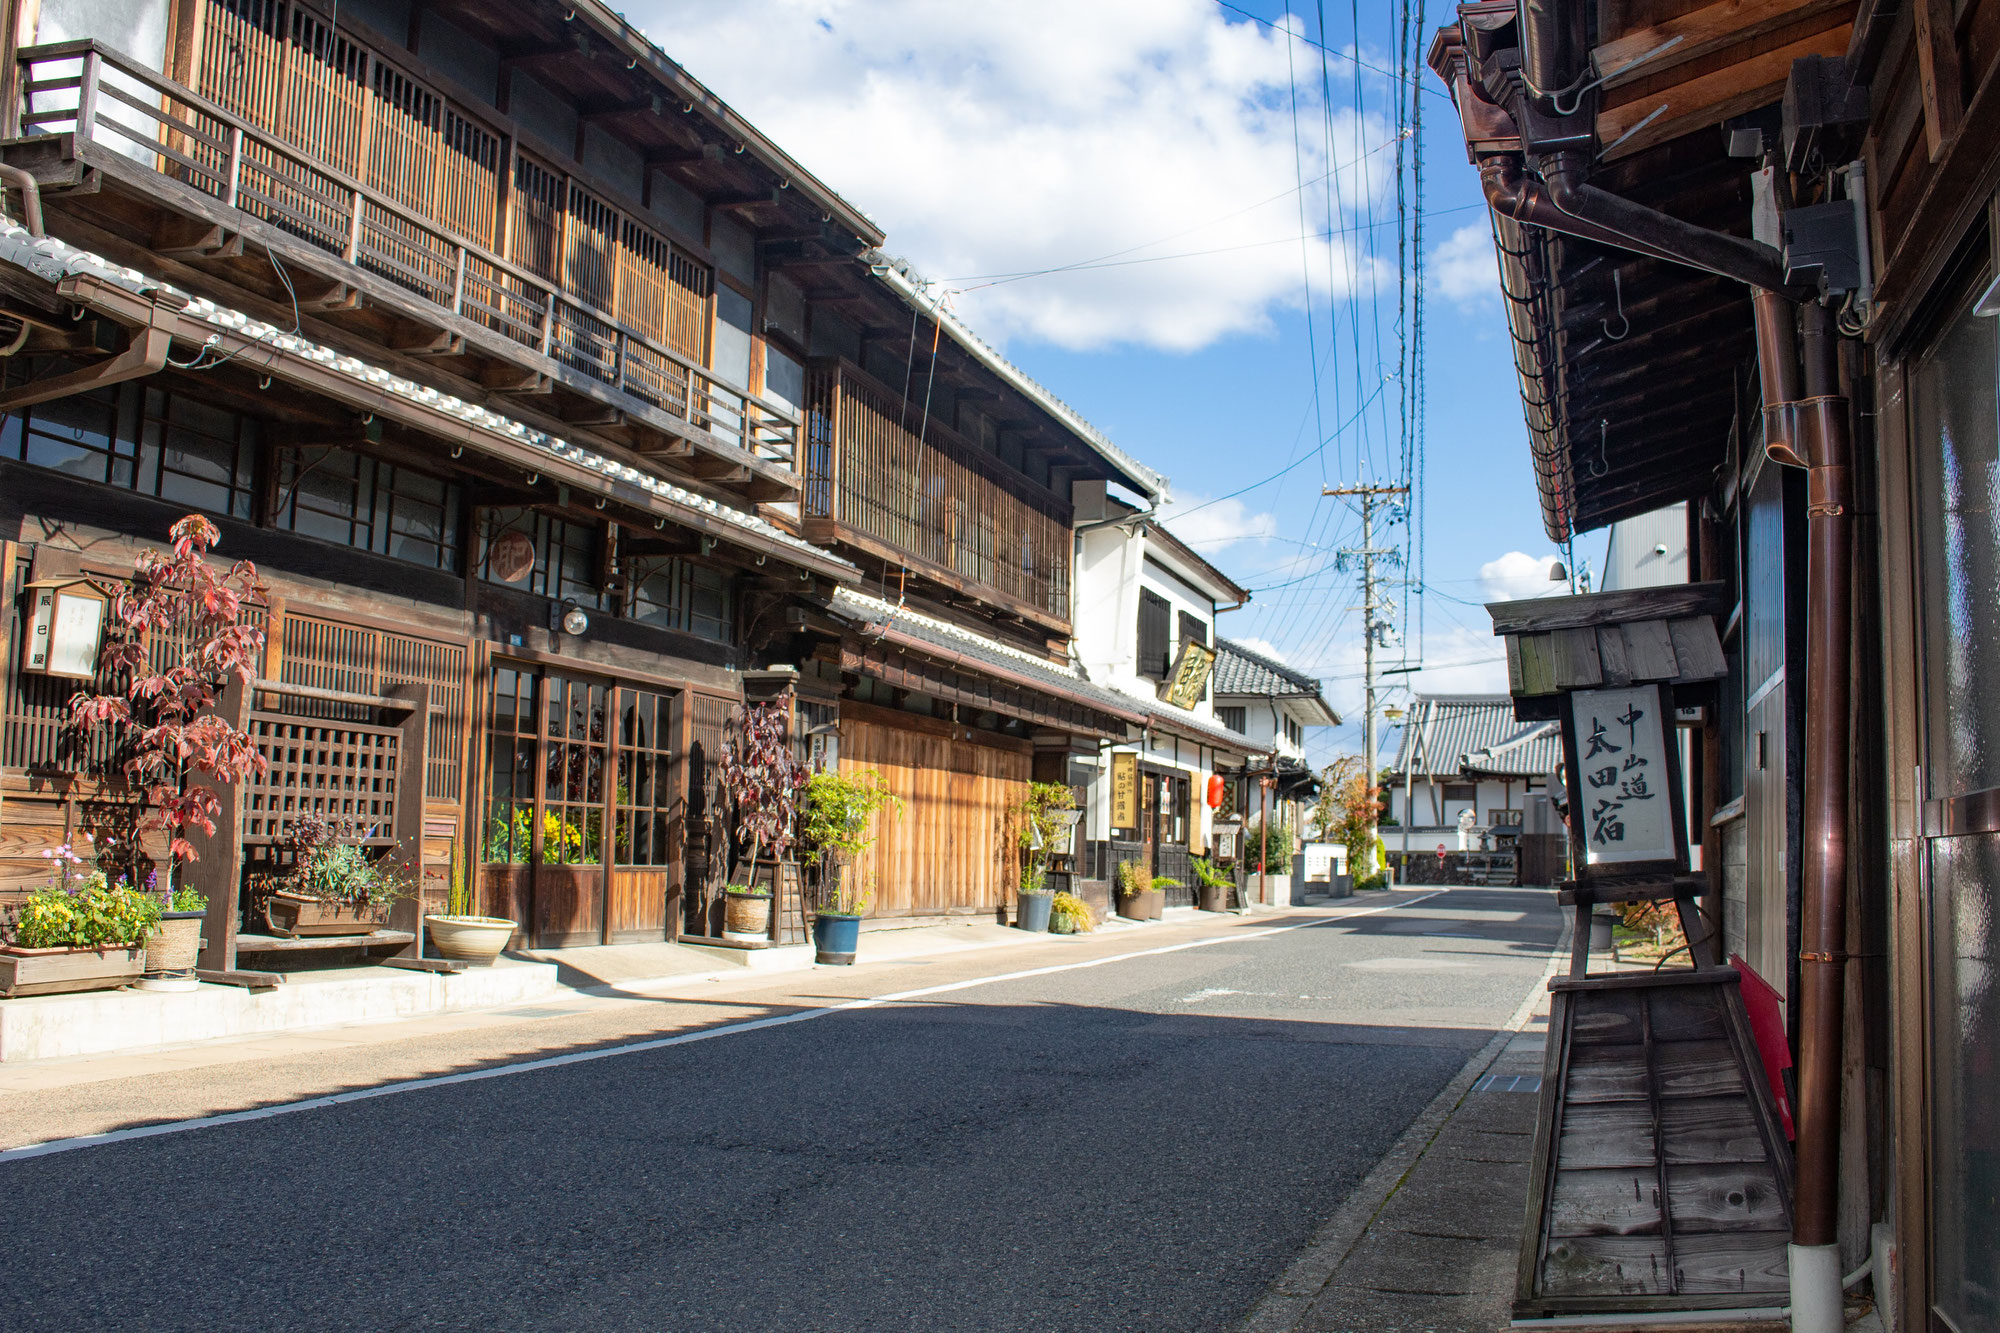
836 938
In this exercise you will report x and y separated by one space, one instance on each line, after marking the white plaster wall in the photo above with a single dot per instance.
137 28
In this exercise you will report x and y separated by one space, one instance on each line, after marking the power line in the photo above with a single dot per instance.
1354 60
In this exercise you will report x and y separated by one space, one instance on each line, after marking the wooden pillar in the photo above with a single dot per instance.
218 874
408 914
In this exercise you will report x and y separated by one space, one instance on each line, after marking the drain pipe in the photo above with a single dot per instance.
1810 430
31 196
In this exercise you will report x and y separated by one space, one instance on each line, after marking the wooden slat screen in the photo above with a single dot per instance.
926 490
954 849
328 655
438 169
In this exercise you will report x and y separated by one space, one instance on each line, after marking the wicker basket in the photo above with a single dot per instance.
174 947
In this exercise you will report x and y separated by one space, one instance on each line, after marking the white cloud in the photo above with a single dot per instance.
1002 139
1462 268
1516 575
1217 526
1263 648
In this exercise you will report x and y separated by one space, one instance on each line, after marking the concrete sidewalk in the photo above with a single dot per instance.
1430 1241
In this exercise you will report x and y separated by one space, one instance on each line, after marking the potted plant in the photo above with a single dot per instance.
839 809
460 932
80 931
1070 915
173 948
837 924
1047 813
1212 885
762 778
164 719
1140 896
333 887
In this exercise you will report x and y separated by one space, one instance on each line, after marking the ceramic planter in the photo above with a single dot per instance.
1145 906
746 916
473 939
1212 899
54 971
1031 911
293 914
836 938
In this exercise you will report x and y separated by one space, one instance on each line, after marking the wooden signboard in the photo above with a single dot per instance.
1189 678
1124 790
1661 1182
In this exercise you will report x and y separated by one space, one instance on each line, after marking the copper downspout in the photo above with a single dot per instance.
31 196
1810 430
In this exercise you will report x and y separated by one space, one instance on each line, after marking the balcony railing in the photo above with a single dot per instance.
929 493
109 99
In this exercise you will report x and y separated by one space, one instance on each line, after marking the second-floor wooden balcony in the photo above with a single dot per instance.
917 495
399 219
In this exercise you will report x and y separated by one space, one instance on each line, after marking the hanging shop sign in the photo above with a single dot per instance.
511 557
1184 686
1124 790
65 628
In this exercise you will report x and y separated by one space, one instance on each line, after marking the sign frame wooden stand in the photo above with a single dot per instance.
1661 1181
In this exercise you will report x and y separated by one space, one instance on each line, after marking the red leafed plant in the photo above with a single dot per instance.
165 720
763 778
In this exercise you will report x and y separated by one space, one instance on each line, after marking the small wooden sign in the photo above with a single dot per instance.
1124 790
1624 777
65 628
1189 677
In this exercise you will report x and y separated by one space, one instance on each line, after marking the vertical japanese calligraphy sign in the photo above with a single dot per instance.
1624 780
1124 790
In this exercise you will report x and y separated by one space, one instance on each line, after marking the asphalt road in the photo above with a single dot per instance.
1137 1145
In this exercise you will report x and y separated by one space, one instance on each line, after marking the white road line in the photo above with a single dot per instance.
658 1043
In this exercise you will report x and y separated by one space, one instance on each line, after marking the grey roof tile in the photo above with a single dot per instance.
1450 734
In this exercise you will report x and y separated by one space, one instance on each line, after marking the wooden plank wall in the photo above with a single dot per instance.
953 850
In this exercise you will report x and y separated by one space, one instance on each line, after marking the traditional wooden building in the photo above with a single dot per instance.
549 397
1748 256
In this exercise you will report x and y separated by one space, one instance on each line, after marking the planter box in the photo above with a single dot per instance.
53 971
1145 906
293 914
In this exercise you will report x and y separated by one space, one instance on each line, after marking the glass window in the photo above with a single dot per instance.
510 780
678 594
645 778
1958 530
340 496
138 438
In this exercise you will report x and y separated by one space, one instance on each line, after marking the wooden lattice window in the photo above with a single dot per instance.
511 735
345 771
647 794
572 825
1155 634
357 660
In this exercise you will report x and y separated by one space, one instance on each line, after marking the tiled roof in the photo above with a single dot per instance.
1061 678
1458 733
53 260
1240 671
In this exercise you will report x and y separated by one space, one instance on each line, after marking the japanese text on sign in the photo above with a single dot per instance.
1622 761
1124 790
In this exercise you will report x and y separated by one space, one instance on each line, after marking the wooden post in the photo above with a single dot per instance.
86 98
408 914
218 875
234 181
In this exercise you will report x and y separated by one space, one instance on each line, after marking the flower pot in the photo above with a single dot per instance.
474 939
1145 906
171 952
54 971
1031 911
746 916
1212 898
293 914
835 938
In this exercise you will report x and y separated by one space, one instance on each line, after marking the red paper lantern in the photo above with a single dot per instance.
1215 791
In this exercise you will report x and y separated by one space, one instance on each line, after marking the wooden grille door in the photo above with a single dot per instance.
646 817
569 855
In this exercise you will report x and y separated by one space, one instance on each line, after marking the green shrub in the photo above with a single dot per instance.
838 809
1071 915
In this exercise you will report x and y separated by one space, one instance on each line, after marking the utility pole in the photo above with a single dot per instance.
1370 497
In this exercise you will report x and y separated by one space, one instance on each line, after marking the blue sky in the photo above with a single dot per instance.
1152 151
